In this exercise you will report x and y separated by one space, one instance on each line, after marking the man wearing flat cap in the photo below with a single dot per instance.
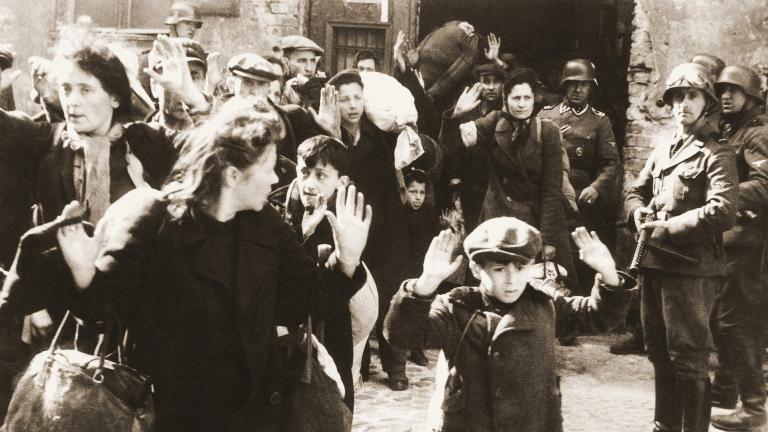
499 337
303 82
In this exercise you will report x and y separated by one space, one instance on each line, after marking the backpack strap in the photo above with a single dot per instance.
538 130
452 361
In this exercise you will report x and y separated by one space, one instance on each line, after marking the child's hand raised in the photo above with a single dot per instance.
595 254
439 262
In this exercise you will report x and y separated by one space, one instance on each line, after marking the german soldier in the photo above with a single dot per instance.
591 148
740 320
689 186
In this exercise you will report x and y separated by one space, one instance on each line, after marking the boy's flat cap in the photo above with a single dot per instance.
503 239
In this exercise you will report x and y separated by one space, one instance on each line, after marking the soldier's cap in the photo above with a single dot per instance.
489 68
183 11
300 43
193 51
503 239
6 57
252 66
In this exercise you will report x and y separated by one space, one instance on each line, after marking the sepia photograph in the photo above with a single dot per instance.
383 215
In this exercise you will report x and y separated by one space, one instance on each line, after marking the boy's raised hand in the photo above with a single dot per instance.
595 254
350 224
313 216
439 262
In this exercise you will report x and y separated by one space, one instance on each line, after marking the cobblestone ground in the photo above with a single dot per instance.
601 392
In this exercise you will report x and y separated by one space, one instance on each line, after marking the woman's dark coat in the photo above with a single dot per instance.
202 333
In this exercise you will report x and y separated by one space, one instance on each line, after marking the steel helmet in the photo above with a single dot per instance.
689 75
713 63
578 70
183 11
741 76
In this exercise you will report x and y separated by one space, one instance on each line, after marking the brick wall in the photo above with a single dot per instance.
669 32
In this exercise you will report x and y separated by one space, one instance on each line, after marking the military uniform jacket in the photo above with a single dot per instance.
696 189
749 139
506 363
590 145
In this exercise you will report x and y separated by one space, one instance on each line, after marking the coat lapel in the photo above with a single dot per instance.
691 147
504 139
66 172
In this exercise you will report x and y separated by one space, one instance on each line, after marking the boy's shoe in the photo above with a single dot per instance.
418 357
739 421
398 382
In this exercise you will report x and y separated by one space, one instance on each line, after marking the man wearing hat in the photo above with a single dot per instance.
498 337
685 198
303 82
171 111
740 311
591 148
183 20
252 75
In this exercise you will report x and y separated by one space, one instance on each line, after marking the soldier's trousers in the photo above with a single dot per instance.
675 312
739 329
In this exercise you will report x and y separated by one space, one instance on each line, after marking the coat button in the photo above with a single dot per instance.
509 199
505 180
496 355
498 393
275 398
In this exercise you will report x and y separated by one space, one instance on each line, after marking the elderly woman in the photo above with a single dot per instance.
525 154
688 187
203 272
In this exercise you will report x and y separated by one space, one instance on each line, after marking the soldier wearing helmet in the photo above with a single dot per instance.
740 310
183 20
591 149
684 198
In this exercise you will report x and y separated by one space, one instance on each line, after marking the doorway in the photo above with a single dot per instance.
544 34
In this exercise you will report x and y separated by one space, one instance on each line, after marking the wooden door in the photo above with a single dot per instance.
345 27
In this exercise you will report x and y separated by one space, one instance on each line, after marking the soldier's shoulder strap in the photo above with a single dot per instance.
549 107
597 112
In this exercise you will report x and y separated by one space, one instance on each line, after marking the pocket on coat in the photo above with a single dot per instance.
686 183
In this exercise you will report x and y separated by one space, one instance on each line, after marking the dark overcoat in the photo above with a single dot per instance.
201 326
503 375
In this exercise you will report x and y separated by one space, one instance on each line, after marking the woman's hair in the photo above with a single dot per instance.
238 135
521 76
98 60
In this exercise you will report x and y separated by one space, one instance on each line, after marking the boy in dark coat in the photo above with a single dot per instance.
321 169
499 337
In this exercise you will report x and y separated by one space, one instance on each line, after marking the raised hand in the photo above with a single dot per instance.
398 53
313 216
176 77
595 254
468 100
329 116
79 249
439 262
350 224
494 44
213 77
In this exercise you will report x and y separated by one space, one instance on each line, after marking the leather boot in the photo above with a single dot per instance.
750 415
696 398
668 412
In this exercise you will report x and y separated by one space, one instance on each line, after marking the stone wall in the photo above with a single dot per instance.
31 27
669 32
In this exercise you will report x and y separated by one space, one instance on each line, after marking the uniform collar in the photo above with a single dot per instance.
564 108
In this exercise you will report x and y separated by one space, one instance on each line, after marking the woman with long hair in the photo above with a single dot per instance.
203 272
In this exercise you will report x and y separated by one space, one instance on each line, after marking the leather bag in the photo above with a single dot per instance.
67 390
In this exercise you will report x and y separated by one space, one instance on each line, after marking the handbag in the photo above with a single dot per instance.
67 390
314 402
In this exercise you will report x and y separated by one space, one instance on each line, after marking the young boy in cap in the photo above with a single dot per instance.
499 337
